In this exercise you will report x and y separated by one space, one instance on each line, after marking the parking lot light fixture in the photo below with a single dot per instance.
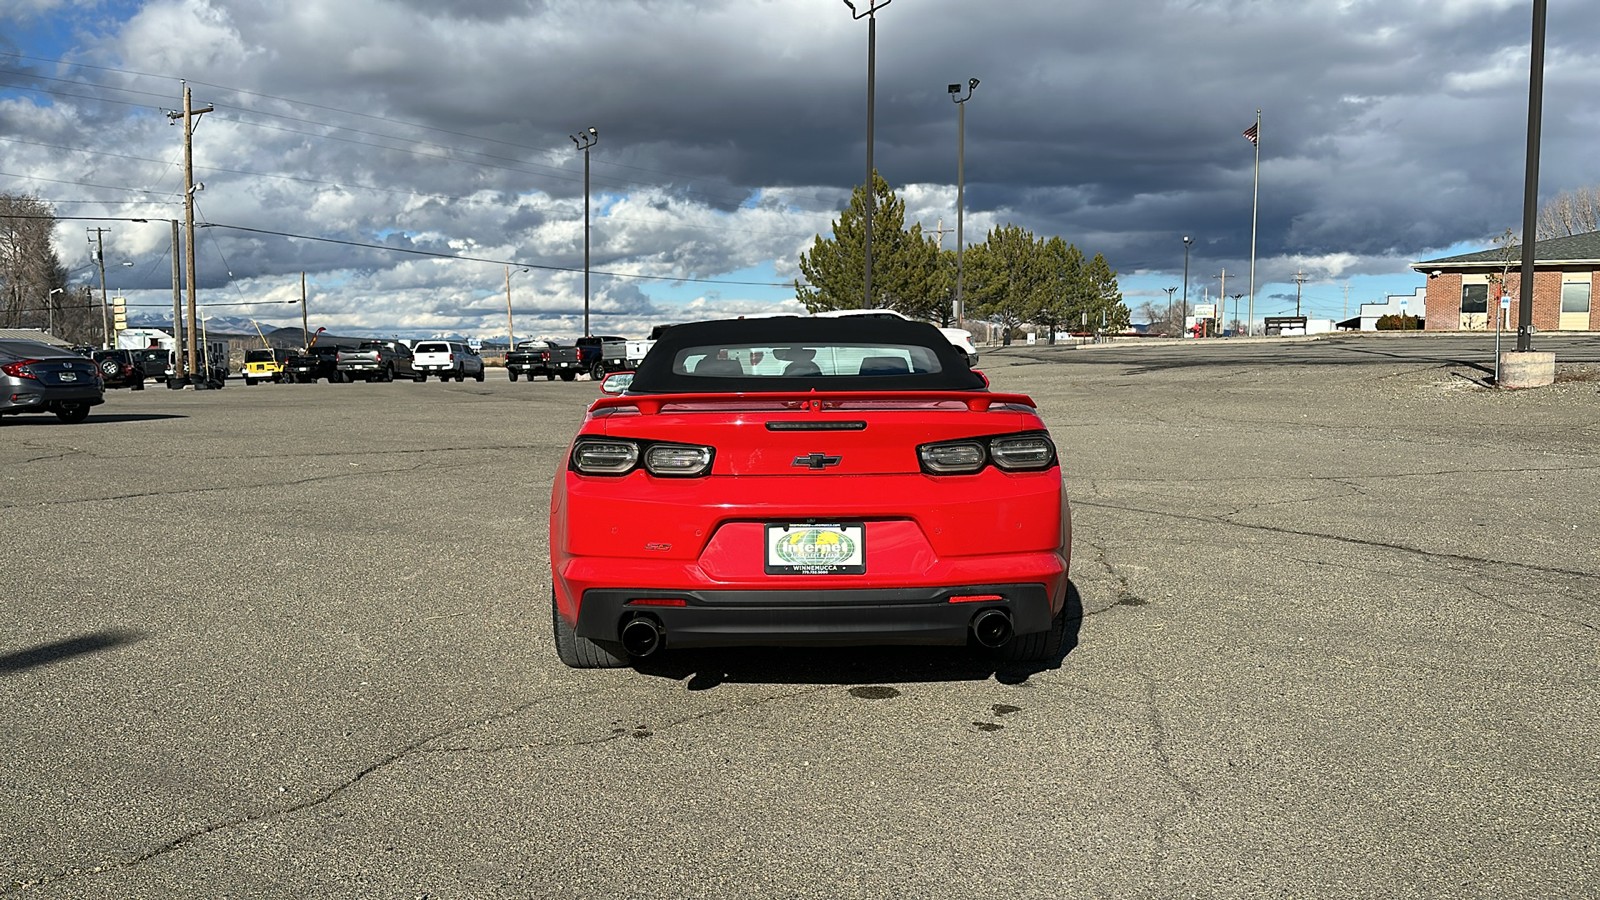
584 142
872 63
961 182
1187 240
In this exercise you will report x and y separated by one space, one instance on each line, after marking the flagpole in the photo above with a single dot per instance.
1255 205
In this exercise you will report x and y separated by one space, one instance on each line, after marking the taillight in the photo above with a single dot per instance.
1022 452
20 369
1026 452
607 456
952 457
592 457
677 459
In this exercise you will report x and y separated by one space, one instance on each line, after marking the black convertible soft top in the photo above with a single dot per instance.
768 354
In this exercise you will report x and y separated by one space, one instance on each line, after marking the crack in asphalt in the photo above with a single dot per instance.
56 453
1498 601
183 840
1158 744
1343 539
1125 594
212 489
409 749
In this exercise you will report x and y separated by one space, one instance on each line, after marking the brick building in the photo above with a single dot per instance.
1464 291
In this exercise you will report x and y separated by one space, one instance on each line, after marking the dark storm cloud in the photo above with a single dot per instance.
1390 129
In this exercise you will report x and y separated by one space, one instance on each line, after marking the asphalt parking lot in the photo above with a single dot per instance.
1340 640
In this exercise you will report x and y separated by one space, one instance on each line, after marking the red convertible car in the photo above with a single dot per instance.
808 481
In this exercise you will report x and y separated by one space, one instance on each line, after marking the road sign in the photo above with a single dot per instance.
1505 301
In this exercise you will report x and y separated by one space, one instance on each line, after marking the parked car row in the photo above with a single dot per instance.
381 361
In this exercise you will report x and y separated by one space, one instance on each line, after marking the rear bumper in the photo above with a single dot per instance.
14 399
860 617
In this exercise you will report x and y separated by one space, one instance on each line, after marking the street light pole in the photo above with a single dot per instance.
589 139
872 62
961 182
1187 240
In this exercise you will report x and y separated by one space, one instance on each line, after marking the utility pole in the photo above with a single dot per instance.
1346 301
305 327
100 258
189 114
511 333
1299 279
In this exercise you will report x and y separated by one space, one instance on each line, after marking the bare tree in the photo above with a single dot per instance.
1569 213
29 268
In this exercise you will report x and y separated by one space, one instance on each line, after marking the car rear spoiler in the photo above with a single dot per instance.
813 401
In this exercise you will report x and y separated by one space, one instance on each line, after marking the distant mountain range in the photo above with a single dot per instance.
241 327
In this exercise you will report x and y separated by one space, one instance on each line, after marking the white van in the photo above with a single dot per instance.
446 359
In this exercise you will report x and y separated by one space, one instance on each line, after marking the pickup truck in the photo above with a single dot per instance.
599 354
377 361
306 366
446 359
547 358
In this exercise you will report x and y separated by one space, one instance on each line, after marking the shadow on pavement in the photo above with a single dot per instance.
94 419
57 651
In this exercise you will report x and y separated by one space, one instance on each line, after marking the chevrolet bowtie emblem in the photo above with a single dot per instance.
817 460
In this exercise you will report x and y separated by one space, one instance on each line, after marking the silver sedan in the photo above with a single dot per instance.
39 378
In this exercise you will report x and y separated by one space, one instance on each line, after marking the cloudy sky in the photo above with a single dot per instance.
403 153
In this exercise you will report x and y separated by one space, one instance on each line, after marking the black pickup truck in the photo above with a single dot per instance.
547 358
306 366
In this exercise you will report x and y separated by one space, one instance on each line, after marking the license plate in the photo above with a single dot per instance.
806 548
69 376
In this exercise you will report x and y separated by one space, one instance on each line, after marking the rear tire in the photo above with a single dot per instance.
1042 646
479 376
580 652
549 376
512 373
73 413
420 379
597 372
568 376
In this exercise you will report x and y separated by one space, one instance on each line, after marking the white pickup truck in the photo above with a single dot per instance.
957 336
446 359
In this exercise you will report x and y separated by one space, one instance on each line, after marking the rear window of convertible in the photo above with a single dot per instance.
805 359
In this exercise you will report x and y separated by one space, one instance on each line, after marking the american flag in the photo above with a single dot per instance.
1251 133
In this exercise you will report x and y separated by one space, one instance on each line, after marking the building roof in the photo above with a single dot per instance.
1574 249
32 334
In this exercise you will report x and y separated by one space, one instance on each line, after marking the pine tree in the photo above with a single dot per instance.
1104 295
1006 276
905 266
1062 299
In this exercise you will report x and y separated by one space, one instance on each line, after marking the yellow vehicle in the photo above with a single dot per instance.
264 364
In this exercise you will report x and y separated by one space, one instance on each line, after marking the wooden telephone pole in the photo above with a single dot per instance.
189 114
